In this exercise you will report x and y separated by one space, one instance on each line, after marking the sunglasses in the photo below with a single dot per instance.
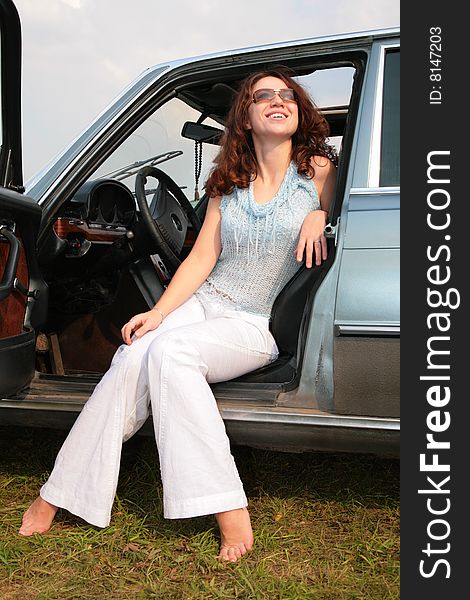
267 94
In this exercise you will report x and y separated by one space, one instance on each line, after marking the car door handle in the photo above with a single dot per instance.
6 284
331 231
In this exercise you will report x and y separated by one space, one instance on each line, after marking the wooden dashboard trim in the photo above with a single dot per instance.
64 227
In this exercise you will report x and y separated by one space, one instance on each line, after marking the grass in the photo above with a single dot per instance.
326 527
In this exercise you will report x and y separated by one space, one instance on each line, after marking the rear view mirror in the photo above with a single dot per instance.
202 133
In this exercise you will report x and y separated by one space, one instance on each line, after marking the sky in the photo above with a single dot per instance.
79 54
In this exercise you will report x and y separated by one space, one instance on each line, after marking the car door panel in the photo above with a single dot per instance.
368 290
13 267
366 381
23 301
23 293
373 222
367 310
367 315
16 338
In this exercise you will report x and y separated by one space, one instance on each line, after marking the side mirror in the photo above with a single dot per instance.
202 133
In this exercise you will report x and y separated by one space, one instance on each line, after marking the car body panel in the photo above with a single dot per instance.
374 220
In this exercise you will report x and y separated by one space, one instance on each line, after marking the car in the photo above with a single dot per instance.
96 236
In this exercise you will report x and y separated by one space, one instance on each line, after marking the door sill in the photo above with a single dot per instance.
68 393
249 411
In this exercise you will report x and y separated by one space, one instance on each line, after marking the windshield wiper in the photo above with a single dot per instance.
133 168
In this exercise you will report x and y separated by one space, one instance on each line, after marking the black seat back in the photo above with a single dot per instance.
289 306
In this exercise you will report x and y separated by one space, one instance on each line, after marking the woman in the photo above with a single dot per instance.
270 192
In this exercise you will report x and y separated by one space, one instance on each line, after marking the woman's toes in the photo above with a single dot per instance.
28 527
38 518
232 553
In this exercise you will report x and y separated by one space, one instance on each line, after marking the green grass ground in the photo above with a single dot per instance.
326 527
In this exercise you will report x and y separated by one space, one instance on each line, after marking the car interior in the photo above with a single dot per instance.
115 244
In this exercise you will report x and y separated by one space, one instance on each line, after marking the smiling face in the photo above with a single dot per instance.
275 118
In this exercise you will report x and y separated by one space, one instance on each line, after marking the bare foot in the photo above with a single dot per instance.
38 518
236 533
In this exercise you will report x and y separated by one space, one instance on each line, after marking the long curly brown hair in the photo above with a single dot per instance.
236 165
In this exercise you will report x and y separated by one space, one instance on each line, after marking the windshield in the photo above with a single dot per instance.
158 141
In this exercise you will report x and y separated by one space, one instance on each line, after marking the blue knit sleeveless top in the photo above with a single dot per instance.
258 244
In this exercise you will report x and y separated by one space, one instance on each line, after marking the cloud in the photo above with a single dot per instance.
78 54
73 3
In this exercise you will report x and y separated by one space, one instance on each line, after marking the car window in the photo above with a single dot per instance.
160 134
330 88
390 138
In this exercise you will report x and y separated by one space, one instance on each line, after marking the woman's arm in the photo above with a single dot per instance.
190 275
311 239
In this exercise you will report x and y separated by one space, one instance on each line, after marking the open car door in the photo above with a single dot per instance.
23 293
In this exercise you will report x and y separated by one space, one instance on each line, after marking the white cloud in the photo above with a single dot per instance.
73 3
116 71
78 54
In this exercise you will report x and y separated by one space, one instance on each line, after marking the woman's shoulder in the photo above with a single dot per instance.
227 199
325 170
324 178
322 164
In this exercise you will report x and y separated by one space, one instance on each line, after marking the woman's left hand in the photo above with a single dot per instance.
312 240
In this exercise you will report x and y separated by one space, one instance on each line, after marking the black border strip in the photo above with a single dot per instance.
434 522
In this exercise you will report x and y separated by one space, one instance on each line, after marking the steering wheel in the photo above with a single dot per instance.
167 223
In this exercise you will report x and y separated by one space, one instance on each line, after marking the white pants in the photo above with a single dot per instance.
201 342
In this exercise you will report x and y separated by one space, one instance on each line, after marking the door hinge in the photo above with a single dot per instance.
331 231
17 188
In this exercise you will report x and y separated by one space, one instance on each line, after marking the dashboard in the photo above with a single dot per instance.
101 211
91 239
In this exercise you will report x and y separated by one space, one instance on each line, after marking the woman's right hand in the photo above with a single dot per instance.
140 324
